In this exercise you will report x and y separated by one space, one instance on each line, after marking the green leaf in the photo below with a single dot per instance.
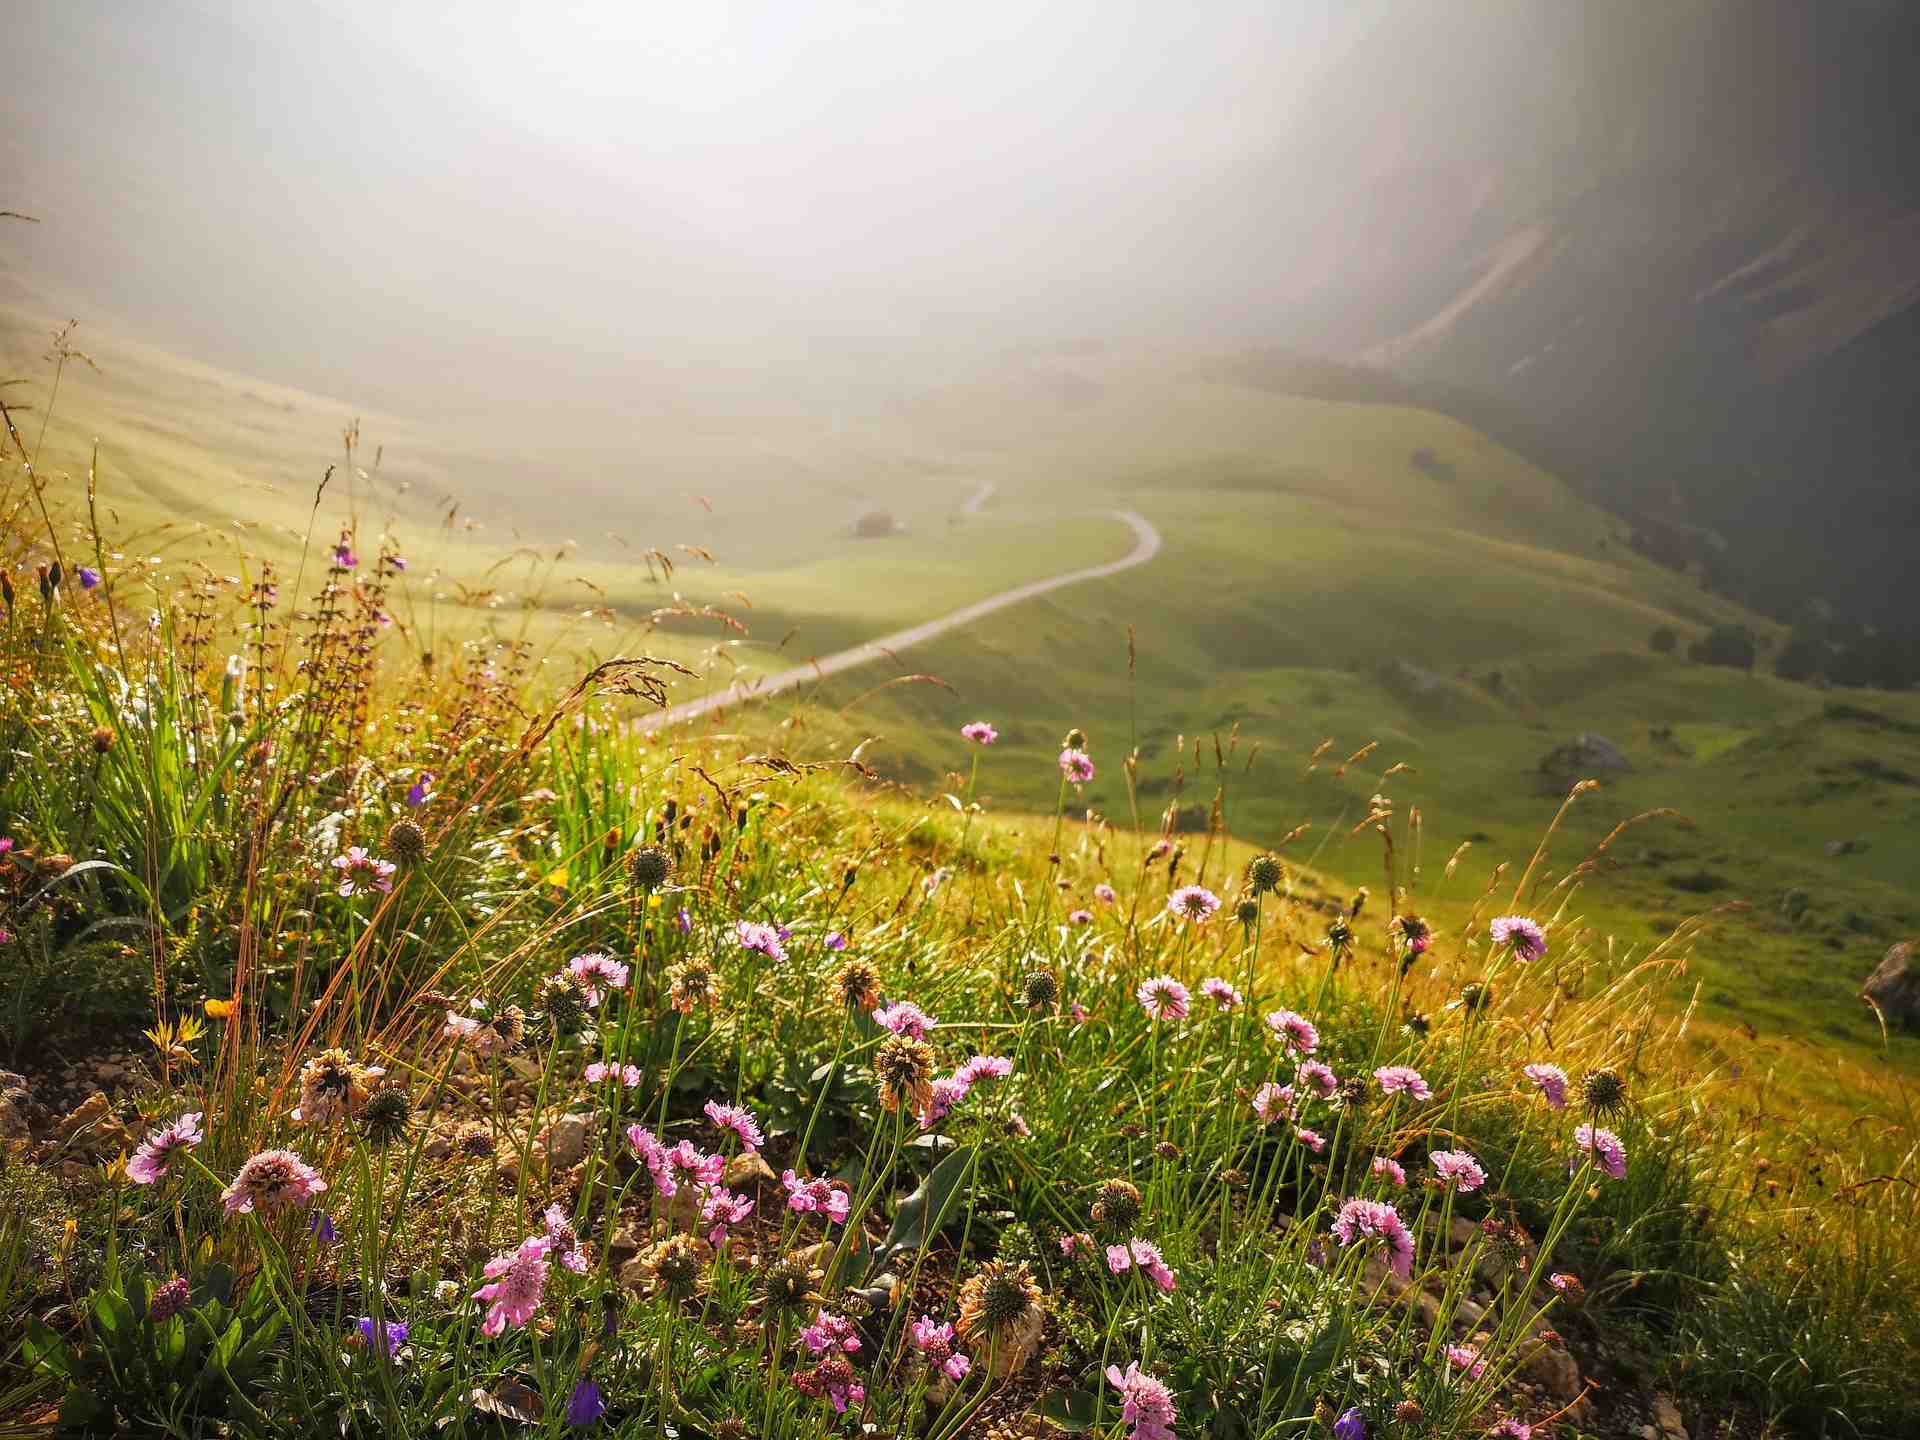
1071 1410
112 1313
48 1350
228 1345
80 1408
248 1357
923 1212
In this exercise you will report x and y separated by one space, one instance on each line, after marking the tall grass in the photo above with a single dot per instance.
1114 1190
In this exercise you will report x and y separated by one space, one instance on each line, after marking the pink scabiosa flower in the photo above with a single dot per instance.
762 939
946 1092
1194 903
1105 893
517 1282
738 1121
272 1181
720 1211
816 1197
1389 1169
1606 1148
1508 1428
1312 1139
937 1343
1456 1170
1296 1030
650 1152
1467 1358
1317 1077
600 1072
1076 765
564 1240
1080 917
1528 940
1402 1080
830 1332
599 974
685 1165
980 732
984 1067
1363 1220
1146 1404
361 872
1223 995
903 1017
1273 1102
1551 1081
1163 998
1077 1241
1145 1254
156 1154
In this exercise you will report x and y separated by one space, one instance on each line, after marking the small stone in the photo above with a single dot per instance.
94 1128
1666 1415
1549 1365
747 1170
566 1141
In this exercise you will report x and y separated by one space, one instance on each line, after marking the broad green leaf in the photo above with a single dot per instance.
923 1212
1071 1410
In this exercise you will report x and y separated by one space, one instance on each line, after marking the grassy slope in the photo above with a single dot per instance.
1305 555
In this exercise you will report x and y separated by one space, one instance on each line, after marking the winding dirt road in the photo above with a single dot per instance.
1146 546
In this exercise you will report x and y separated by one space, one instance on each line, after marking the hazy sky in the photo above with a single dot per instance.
394 196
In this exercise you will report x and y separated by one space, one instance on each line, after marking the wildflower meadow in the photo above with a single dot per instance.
515 1064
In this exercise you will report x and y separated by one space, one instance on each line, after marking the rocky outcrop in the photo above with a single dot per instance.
1894 987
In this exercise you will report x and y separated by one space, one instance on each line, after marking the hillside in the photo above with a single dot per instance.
1332 571
1684 240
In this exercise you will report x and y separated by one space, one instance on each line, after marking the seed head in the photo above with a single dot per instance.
1076 739
1409 1412
649 867
1166 1150
564 999
859 985
675 1265
406 842
788 1284
1475 996
691 984
1353 1092
1265 873
1604 1091
1118 1205
1040 990
999 1297
904 1068
387 1116
102 739
475 1141
1247 911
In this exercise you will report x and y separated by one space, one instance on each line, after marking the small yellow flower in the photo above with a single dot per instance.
557 878
653 902
220 1009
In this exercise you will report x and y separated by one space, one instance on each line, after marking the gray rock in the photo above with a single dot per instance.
567 1141
15 1099
1894 987
1584 757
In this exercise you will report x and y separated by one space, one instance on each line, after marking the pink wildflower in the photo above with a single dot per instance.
720 1210
1193 902
599 1072
518 1282
1163 998
150 1162
1376 1220
1318 1077
1105 893
1403 1080
1296 1030
1271 1102
936 1342
1608 1152
360 871
816 1197
1076 765
1146 1403
980 732
272 1181
1389 1169
737 1120
1467 1358
564 1240
1528 940
1457 1170
830 1332
1551 1081
1223 995
903 1017
598 973
763 939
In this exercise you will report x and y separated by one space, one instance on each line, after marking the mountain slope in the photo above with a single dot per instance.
1684 239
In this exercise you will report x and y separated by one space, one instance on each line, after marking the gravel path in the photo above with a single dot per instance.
1146 546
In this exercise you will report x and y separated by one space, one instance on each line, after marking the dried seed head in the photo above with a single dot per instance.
904 1068
649 867
1118 1205
475 1141
1604 1091
787 1284
1353 1092
675 1267
387 1116
1264 874
1167 1150
1409 1412
1247 911
1040 990
996 1299
102 739
1076 739
858 984
1475 996
691 984
406 842
564 999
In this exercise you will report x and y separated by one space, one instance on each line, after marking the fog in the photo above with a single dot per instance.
443 207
